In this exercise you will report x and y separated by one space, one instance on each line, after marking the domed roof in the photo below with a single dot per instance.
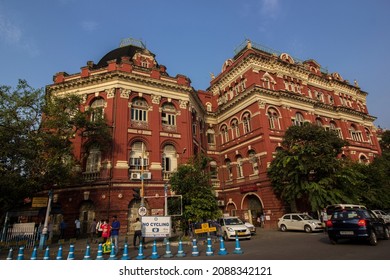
127 50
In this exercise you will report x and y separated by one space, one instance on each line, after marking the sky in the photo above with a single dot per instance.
194 38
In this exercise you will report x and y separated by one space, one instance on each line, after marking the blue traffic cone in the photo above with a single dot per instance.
195 251
140 255
112 254
21 253
238 249
59 253
10 253
125 255
34 255
168 252
180 252
47 254
222 250
87 255
71 252
209 251
154 255
99 255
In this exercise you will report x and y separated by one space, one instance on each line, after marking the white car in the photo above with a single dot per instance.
251 227
232 227
383 215
299 221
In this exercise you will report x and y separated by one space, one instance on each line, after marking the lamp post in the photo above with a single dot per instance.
43 236
166 199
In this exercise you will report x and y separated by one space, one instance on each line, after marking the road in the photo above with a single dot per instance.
265 245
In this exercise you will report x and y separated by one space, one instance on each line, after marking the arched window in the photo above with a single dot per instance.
169 160
319 122
246 120
363 159
138 158
235 128
229 168
253 159
208 107
239 167
97 107
273 118
333 127
356 135
298 120
224 134
139 110
93 162
368 135
168 116
210 137
213 170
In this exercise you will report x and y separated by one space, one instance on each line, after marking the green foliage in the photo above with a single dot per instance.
192 181
307 168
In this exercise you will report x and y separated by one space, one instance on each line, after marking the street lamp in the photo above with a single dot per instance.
43 237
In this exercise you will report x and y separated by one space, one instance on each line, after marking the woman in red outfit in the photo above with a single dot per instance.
106 231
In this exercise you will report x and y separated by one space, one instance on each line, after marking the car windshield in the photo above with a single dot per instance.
306 217
233 221
350 214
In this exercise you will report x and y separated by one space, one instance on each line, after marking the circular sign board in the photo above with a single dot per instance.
142 211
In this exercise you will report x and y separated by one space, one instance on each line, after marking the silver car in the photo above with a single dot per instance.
299 221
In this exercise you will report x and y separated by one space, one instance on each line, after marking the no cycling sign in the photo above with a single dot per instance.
156 226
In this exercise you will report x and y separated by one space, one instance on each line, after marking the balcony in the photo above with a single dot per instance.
91 175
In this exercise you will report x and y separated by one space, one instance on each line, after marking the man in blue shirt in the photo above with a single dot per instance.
115 232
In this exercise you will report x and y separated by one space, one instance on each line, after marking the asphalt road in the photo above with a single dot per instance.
265 245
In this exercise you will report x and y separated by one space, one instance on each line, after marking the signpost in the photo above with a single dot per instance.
156 226
205 229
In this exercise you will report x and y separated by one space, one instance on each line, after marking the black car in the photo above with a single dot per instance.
356 224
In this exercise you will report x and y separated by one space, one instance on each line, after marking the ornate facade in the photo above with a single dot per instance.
159 122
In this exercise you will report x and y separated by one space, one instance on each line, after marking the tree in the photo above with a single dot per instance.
192 181
307 171
36 132
20 115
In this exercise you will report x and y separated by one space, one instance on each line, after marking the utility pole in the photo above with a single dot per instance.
43 237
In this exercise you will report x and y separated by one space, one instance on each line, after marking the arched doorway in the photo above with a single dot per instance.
133 208
87 214
254 206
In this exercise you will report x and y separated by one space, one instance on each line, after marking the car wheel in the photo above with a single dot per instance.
372 239
387 233
283 228
308 228
225 236
333 241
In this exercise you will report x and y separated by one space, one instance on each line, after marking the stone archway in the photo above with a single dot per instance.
254 206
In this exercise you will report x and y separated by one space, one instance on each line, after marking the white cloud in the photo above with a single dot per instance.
89 25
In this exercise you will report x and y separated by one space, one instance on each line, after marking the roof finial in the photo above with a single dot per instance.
248 44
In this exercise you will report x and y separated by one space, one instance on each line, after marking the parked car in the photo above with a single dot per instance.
383 215
331 208
251 227
356 224
299 221
232 226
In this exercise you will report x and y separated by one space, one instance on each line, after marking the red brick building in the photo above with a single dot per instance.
159 121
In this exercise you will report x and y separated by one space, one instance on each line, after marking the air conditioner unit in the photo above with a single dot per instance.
135 176
221 203
147 175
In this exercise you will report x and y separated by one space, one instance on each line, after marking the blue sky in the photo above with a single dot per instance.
194 38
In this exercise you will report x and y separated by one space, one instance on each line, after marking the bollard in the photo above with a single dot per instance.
112 254
125 255
21 253
99 255
34 255
71 252
195 251
10 253
209 251
238 249
222 250
87 255
59 253
168 253
140 252
47 254
154 255
180 252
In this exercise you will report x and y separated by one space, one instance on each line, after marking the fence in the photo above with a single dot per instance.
25 234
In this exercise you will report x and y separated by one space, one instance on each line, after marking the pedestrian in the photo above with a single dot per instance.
105 231
99 230
138 232
63 226
262 219
92 231
78 226
115 226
